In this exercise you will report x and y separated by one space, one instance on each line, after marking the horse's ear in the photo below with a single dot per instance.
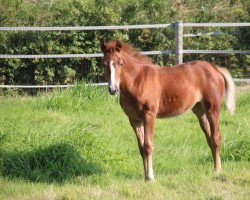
118 45
103 46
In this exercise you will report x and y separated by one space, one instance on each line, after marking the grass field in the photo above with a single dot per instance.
78 144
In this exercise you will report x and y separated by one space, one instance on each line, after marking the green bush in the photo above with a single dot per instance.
97 12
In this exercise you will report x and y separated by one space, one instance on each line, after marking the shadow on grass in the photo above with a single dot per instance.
56 163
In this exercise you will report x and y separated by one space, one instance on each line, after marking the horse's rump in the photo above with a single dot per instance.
186 84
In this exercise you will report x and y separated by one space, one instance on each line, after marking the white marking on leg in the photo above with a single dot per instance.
150 168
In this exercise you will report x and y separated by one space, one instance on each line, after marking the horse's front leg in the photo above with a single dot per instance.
149 122
139 132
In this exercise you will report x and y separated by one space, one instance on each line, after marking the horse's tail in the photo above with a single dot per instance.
229 90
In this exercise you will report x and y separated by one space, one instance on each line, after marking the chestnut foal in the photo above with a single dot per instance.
148 91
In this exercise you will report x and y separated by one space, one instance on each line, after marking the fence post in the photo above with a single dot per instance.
178 42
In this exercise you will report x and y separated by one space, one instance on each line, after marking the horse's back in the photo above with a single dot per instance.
206 77
198 74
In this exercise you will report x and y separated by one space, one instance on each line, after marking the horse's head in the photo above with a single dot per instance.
112 62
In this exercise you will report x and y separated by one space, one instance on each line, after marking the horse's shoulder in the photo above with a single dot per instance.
149 69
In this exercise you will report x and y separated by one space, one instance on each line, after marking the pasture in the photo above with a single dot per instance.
78 144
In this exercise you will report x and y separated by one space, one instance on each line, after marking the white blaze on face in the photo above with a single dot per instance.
112 75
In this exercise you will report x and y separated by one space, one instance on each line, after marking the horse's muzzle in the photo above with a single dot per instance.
113 90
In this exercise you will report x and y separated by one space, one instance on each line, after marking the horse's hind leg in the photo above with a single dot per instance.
208 125
213 112
199 111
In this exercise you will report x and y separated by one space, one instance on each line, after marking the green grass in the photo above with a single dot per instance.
78 144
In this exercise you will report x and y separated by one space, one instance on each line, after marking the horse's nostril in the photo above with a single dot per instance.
112 91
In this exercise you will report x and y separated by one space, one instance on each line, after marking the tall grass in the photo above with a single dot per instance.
77 143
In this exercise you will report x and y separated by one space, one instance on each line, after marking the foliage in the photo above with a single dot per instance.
98 12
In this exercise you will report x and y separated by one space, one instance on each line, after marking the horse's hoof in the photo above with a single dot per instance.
150 180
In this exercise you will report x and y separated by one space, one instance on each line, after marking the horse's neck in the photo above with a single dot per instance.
131 70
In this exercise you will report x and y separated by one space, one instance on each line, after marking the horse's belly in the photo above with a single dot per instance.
174 105
171 113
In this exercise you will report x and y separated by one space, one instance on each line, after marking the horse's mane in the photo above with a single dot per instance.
135 53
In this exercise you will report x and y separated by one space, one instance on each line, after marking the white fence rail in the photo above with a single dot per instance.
178 51
47 86
90 55
86 28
